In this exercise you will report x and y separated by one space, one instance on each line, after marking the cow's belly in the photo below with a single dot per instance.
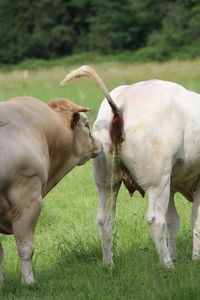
186 188
185 177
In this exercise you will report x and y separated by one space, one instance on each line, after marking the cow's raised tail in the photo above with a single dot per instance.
88 71
116 128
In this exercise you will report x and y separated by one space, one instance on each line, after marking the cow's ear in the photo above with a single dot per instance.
74 120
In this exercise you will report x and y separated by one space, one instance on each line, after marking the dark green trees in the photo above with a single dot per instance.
48 29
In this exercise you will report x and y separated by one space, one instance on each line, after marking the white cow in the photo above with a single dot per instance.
157 152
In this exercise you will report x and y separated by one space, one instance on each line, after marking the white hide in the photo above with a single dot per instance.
161 150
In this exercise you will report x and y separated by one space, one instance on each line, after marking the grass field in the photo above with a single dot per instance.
68 258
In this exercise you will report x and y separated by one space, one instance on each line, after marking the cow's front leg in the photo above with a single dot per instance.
24 225
196 224
1 264
172 219
23 230
108 185
25 247
156 217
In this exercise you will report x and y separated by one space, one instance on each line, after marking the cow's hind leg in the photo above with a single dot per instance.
158 198
107 186
1 263
24 226
172 219
196 224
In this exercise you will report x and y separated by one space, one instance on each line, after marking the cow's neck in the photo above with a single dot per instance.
58 173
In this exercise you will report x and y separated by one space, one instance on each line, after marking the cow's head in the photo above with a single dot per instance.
84 145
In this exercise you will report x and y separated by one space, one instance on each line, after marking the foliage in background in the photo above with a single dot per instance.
149 29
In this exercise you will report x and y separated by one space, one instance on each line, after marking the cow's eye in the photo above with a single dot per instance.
87 125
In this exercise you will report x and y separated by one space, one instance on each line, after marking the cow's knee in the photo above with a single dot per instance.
105 228
151 220
156 221
156 218
100 220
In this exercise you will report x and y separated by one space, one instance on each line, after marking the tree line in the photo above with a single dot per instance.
49 29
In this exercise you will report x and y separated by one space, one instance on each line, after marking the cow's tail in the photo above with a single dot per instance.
116 129
88 71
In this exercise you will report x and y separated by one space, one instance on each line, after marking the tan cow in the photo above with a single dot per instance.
39 144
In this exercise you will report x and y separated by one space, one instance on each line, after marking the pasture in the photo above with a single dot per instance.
68 258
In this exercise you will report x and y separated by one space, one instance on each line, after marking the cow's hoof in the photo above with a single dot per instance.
28 281
108 264
169 265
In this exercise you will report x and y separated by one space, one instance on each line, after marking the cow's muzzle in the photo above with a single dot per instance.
98 147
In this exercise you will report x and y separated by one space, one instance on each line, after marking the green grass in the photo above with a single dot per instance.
68 258
146 54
